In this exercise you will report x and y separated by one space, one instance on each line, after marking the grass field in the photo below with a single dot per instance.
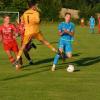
37 82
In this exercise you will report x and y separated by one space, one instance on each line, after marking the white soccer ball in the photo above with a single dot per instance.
70 68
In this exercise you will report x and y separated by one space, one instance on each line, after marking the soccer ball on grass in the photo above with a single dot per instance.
70 68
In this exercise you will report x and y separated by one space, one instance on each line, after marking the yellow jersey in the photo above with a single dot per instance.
31 19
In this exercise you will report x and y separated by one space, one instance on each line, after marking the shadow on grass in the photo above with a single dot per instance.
24 75
40 62
87 61
44 61
48 60
82 62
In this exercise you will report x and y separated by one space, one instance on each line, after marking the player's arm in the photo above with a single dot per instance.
60 32
15 31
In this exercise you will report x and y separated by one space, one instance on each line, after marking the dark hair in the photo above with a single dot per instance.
32 3
67 13
6 16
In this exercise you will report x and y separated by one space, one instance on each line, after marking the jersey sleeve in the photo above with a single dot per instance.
14 29
73 27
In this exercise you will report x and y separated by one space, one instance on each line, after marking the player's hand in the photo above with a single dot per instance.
66 31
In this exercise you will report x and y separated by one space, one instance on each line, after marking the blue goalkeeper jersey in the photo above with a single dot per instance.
92 21
69 27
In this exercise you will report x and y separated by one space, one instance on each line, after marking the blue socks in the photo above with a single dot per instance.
56 59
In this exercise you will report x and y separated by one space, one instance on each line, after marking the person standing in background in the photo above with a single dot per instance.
92 24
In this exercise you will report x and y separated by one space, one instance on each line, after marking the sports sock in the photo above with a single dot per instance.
27 55
56 59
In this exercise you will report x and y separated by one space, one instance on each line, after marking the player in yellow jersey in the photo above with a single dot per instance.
31 20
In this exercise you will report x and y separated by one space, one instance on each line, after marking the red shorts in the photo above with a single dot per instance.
11 46
99 26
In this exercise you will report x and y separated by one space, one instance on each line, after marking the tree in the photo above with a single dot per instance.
50 9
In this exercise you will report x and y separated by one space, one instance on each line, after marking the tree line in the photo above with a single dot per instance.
50 8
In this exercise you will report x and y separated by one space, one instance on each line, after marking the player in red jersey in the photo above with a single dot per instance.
99 24
8 38
30 45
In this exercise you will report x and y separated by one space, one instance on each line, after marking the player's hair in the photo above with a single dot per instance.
6 16
67 13
31 3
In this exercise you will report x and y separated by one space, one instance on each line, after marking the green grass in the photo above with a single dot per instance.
37 82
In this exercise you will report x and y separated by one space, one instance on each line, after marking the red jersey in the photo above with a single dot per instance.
7 33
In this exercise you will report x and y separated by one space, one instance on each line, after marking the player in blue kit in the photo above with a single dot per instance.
92 24
66 32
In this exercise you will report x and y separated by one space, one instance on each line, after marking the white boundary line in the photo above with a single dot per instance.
10 12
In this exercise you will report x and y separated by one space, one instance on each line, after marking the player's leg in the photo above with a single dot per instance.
27 49
33 45
15 50
30 45
45 42
20 60
92 28
99 28
20 52
18 65
69 54
25 41
56 58
11 58
28 56
7 49
40 37
68 50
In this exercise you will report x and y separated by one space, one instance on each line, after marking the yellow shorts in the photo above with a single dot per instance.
37 36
